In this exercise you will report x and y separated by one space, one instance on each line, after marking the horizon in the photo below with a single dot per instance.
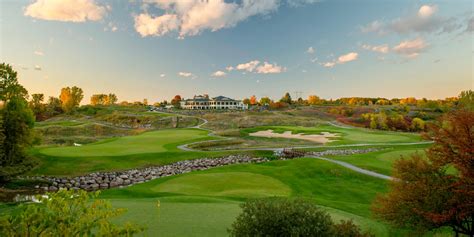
153 50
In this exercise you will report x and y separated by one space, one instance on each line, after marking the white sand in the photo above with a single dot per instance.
318 138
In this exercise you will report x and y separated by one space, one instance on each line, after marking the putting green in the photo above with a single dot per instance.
149 142
230 184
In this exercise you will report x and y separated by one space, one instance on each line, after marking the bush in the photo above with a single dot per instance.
66 213
288 217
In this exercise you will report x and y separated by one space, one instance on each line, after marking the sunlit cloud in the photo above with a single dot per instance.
162 75
378 48
66 10
347 57
250 66
39 53
37 68
410 48
190 18
219 74
267 68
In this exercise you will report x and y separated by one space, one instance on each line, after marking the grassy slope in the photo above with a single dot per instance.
381 161
344 193
151 148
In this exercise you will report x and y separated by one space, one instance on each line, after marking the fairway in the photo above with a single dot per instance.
207 201
149 142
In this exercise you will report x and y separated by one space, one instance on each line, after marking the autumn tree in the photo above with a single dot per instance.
176 101
314 100
424 195
246 101
112 99
70 98
286 98
253 100
17 123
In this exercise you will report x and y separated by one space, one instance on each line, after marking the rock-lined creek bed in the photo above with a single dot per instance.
105 180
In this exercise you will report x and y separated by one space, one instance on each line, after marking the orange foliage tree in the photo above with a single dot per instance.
424 195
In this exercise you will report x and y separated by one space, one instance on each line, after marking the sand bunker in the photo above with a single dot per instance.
318 138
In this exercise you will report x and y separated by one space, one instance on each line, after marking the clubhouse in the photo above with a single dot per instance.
203 102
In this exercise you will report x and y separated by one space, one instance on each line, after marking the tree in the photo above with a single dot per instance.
246 101
67 213
253 100
288 217
265 101
70 98
314 100
466 100
176 101
417 124
53 107
145 102
37 106
424 195
112 99
17 123
286 98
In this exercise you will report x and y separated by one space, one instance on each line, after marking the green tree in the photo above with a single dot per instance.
265 101
417 124
67 213
53 107
466 99
37 106
286 98
17 123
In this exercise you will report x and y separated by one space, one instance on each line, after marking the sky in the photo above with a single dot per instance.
156 49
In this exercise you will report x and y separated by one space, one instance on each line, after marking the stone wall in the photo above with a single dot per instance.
105 180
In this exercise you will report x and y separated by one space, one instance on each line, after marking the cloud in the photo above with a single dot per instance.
146 25
219 74
162 75
229 68
66 10
341 60
427 11
379 48
410 48
186 74
37 68
39 53
250 66
347 57
299 3
190 18
310 50
329 64
425 20
267 68
470 25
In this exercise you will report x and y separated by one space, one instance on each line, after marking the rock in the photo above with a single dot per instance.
53 188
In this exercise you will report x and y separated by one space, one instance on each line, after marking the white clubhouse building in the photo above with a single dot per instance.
203 102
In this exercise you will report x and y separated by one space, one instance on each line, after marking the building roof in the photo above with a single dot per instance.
222 98
206 98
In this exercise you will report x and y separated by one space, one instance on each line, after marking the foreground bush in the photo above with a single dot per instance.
288 217
66 213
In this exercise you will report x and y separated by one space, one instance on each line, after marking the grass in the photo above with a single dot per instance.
149 148
381 161
211 197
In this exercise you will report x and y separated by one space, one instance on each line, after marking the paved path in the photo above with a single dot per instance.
354 168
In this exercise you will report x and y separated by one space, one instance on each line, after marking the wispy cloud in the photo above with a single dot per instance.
377 48
39 53
345 58
37 68
310 50
250 66
187 74
66 10
410 48
267 68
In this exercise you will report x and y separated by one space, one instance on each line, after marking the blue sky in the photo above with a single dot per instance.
155 49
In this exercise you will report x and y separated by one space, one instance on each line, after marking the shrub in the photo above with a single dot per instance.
288 217
66 213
